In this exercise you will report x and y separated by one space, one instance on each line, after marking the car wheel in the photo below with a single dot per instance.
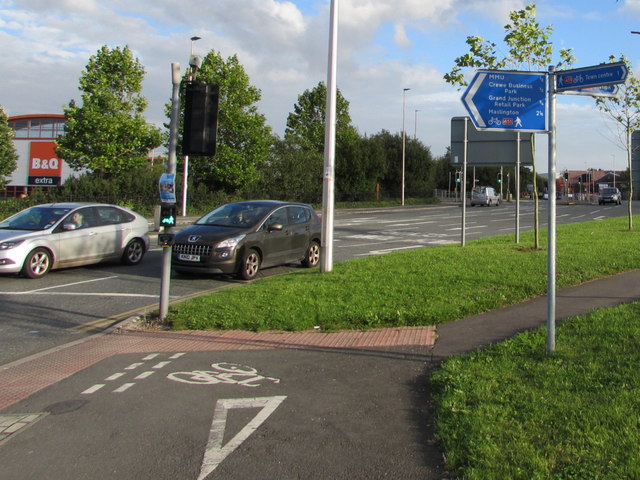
133 252
37 263
312 256
250 264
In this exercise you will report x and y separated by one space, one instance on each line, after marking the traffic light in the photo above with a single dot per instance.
566 177
500 178
168 214
200 119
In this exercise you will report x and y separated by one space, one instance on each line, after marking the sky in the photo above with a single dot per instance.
384 46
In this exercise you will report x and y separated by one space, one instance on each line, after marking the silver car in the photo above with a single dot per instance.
60 235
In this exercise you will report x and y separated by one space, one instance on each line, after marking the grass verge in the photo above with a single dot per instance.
416 287
513 411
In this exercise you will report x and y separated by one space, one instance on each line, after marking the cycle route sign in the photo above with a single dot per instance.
507 101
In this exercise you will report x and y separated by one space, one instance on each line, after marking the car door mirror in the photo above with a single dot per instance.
275 227
69 226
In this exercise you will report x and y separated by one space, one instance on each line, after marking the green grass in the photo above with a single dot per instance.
416 287
511 411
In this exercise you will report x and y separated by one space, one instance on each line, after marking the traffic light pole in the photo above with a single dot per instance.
171 169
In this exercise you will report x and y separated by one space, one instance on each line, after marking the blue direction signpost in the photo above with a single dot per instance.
588 77
499 100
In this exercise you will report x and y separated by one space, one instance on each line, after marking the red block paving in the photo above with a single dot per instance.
22 378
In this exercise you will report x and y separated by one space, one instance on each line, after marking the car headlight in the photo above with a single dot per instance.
230 243
10 244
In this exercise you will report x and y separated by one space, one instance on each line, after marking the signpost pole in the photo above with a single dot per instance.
463 185
171 169
517 190
551 247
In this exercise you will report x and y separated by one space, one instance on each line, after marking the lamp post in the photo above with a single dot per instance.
404 94
415 124
194 63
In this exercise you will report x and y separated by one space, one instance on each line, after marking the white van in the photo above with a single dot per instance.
484 196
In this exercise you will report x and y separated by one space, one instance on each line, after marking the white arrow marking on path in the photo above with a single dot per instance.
215 452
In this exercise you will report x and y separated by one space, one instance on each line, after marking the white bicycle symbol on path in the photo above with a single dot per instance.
227 373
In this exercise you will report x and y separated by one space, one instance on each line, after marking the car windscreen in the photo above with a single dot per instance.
34 218
234 215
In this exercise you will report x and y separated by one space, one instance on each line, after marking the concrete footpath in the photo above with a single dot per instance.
378 367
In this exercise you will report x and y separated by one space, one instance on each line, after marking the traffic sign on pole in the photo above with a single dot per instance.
498 100
594 76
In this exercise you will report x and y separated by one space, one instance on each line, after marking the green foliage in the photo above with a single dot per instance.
8 154
108 133
528 43
243 139
512 411
624 108
306 124
417 287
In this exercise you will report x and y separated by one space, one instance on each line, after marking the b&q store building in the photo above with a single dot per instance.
38 165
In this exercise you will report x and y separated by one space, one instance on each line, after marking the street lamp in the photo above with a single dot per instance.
404 94
194 64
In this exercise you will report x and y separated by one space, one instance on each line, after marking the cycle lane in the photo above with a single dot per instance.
344 407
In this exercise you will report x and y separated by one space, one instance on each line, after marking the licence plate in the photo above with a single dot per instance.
189 258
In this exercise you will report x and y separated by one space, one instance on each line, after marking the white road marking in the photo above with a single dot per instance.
133 366
176 356
93 389
144 375
115 376
123 387
160 365
215 452
150 357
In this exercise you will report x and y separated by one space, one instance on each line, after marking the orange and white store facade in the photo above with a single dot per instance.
38 165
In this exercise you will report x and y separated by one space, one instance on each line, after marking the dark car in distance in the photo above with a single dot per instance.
243 237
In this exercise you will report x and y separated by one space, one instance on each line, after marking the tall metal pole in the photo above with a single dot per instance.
171 169
185 176
463 185
517 191
328 184
551 247
415 125
404 94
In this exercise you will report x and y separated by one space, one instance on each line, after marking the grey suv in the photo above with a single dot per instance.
609 195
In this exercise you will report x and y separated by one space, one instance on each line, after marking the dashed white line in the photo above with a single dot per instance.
124 387
93 389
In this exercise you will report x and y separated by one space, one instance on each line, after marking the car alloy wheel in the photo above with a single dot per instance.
312 257
37 263
133 252
250 264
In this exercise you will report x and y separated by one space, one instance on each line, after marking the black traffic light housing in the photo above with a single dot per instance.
200 119
168 214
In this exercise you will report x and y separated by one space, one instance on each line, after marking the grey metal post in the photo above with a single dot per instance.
551 247
171 168
517 190
463 185
328 184
404 94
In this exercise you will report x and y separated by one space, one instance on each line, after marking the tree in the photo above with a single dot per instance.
8 155
529 47
624 108
306 124
306 129
243 138
108 133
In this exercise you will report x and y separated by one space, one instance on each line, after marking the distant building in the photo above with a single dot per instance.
38 164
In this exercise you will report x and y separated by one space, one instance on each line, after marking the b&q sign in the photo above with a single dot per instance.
45 168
